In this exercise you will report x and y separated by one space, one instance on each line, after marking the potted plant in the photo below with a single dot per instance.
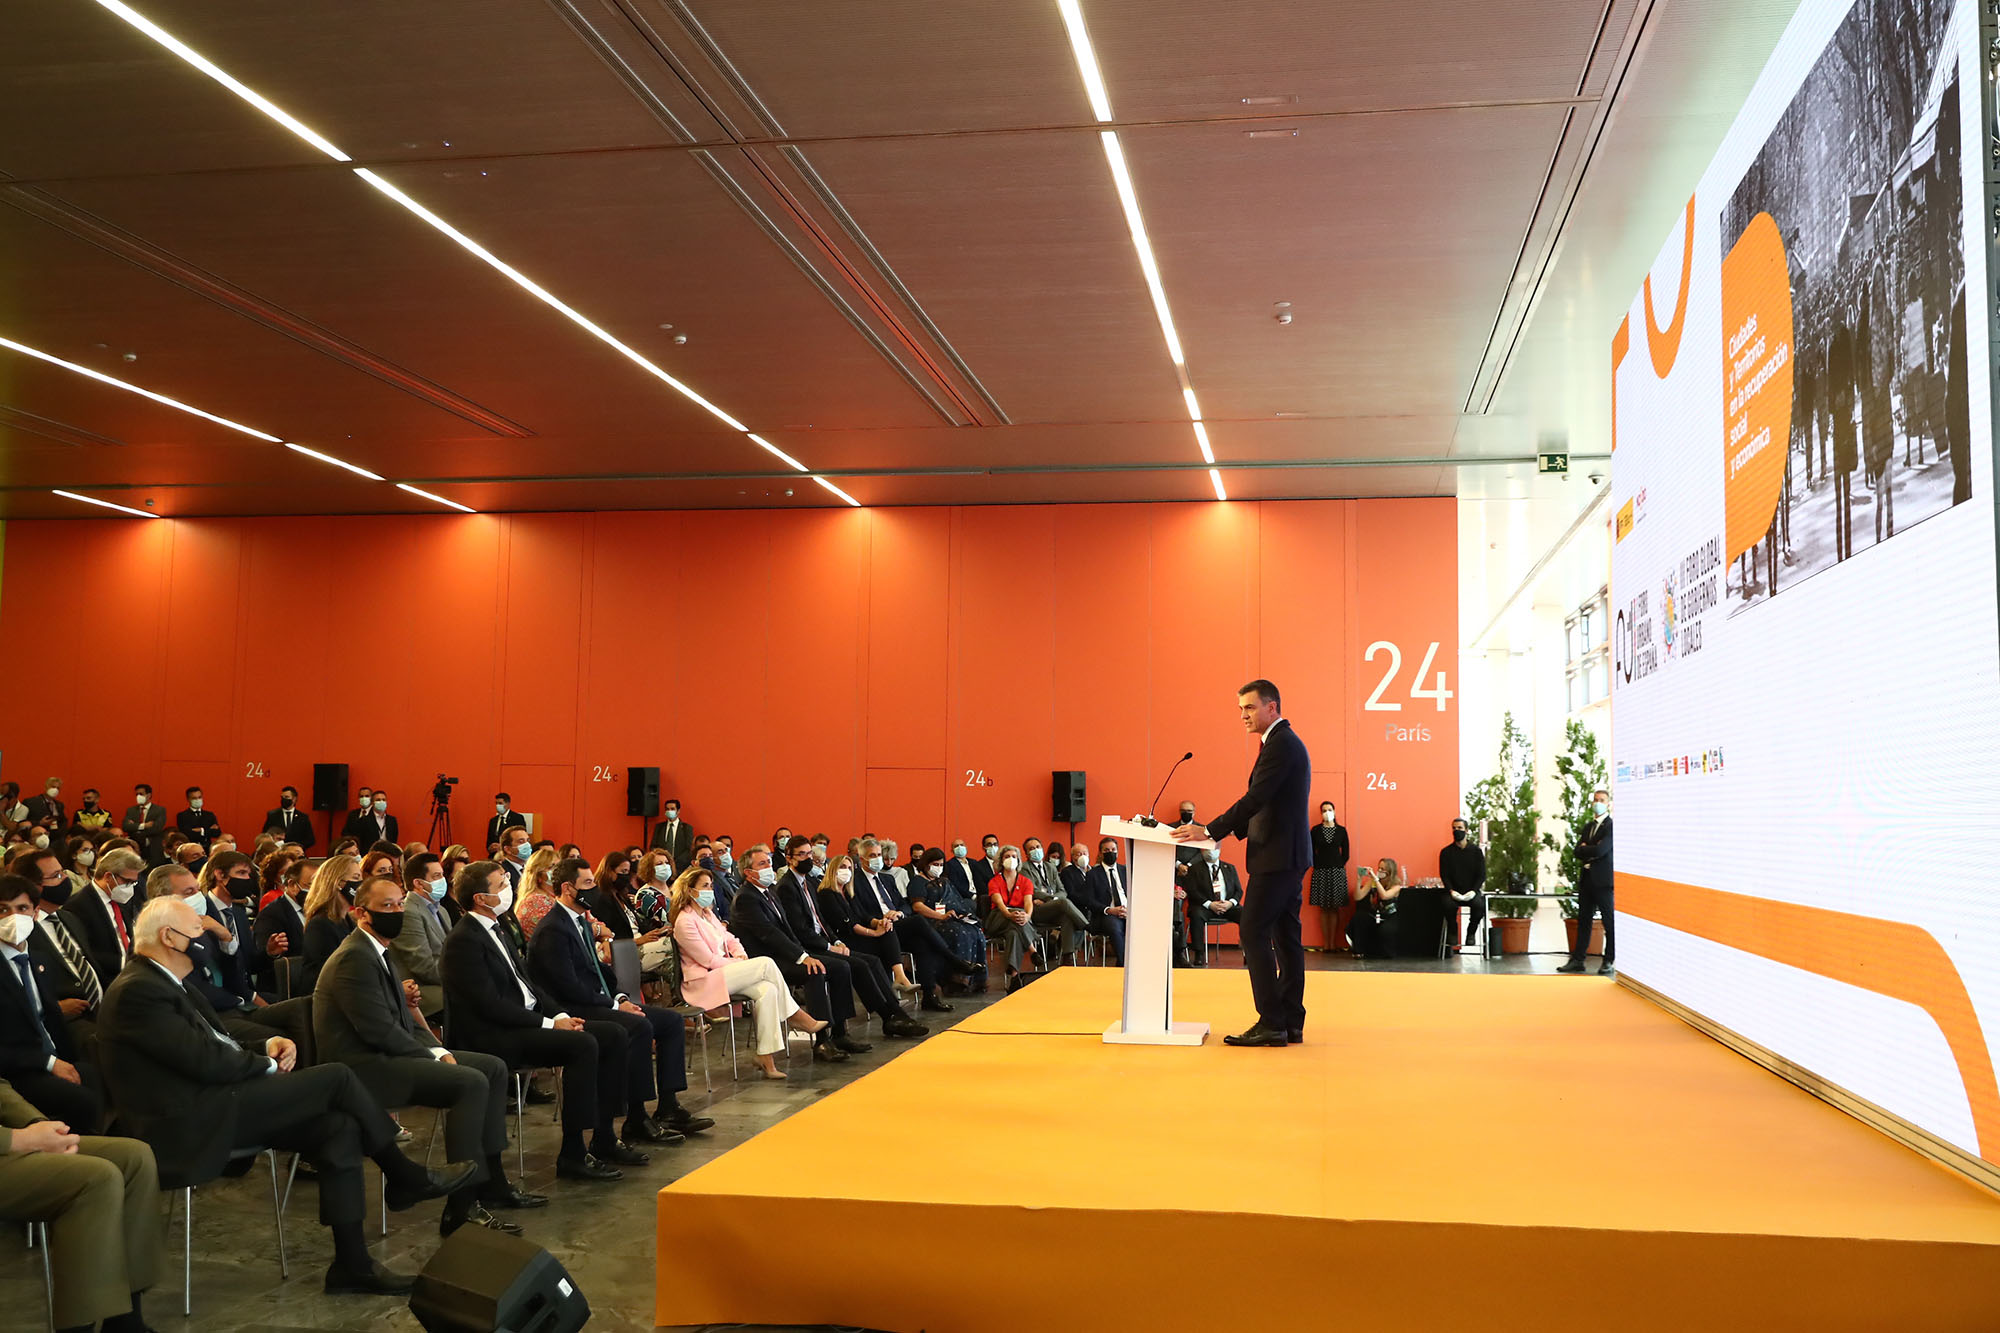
1503 806
1568 905
1580 769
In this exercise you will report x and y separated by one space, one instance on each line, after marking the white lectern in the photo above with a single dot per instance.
1149 940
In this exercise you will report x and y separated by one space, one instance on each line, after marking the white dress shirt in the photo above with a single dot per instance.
527 995
382 957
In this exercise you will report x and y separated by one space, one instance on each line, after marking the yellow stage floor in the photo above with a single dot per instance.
1444 1152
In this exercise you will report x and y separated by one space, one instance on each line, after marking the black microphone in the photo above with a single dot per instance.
1148 819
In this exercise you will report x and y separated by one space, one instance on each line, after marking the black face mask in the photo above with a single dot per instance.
347 890
1110 858
1458 835
1187 816
386 924
56 895
285 801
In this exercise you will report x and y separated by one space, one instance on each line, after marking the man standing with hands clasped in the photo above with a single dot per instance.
1593 886
1272 816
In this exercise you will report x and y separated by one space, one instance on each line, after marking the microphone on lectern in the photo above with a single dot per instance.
1147 818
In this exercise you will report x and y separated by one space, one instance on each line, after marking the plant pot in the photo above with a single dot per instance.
1513 933
1596 937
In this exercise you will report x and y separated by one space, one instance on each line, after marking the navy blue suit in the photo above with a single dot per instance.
561 964
1272 815
32 1029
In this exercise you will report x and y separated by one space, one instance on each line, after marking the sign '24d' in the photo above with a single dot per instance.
1437 691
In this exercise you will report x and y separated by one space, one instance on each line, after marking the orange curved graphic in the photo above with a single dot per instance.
1621 343
1756 382
1665 344
1890 958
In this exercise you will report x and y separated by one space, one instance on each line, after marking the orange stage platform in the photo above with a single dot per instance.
1445 1152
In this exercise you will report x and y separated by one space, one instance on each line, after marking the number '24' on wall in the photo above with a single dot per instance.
1377 704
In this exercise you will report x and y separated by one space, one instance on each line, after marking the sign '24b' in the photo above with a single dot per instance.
1377 704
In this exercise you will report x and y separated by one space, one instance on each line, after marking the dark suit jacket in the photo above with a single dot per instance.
229 986
360 1020
761 927
362 827
298 829
960 875
90 925
866 906
171 1082
201 825
1201 884
1272 813
792 898
146 827
481 993
21 1049
68 986
561 967
41 807
680 845
840 913
282 917
501 823
1097 894
1594 852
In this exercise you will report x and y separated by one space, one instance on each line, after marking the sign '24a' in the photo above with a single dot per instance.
1418 690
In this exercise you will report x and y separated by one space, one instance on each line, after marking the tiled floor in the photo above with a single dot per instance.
603 1234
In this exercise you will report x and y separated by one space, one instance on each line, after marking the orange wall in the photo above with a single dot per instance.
837 669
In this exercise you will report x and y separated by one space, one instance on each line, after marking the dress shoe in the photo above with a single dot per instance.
1606 970
827 1051
851 1046
618 1154
902 1025
1258 1035
1571 968
1296 1036
586 1167
374 1280
644 1129
404 1194
512 1196
935 1005
682 1121
477 1216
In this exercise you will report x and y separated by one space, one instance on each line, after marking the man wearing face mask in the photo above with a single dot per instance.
728 876
673 836
212 952
361 1019
48 803
1054 913
146 824
197 1087
78 992
100 917
197 824
989 851
1214 895
38 1052
960 877
781 841
1462 869
91 815
816 867
505 816
376 823
288 822
799 901
363 809
1106 895
420 948
514 854
1594 886
758 919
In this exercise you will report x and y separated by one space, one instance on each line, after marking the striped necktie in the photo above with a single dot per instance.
73 958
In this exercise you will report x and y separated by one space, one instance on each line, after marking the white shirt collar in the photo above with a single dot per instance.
381 949
1268 730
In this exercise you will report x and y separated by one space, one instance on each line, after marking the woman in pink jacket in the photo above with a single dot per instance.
714 969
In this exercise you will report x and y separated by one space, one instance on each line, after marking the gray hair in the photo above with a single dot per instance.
120 861
152 919
161 881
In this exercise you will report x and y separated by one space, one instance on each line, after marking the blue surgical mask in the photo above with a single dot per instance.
1599 808
1212 855
521 852
706 898
436 888
1035 855
663 872
874 864
767 877
727 859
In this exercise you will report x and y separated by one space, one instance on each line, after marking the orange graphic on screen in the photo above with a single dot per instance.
1756 382
1665 344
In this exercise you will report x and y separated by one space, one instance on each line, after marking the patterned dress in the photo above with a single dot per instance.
965 939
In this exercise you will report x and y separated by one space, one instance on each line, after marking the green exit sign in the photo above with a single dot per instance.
1552 462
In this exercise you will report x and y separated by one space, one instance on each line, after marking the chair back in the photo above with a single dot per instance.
625 966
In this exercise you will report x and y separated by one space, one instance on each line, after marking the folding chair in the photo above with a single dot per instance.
278 1202
38 1239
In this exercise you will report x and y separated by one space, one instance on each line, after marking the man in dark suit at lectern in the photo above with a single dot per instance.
1272 816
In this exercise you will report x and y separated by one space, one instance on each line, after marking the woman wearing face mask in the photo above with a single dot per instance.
1328 891
536 895
1010 905
715 969
859 923
1372 931
79 857
453 859
931 898
328 919
615 903
651 883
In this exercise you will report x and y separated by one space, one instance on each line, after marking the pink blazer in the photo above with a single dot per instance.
705 946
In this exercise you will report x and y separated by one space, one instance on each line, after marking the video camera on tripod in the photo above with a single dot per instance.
441 790
441 810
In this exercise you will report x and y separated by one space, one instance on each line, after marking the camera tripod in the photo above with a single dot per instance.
440 822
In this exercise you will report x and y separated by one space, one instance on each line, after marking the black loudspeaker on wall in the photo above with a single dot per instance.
481 1280
642 791
1067 801
330 787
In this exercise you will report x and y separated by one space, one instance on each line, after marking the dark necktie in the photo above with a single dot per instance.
806 892
34 1002
881 894
590 952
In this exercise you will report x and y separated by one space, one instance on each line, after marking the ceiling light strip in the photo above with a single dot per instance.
160 398
106 504
463 509
1201 438
1086 59
837 491
329 458
778 453
1136 224
1216 479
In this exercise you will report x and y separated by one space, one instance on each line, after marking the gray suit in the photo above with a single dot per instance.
1054 909
360 1020
420 949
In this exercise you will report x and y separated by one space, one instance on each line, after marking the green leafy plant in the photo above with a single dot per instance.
1580 769
1505 804
1568 905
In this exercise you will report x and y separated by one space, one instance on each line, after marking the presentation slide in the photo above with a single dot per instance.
1806 648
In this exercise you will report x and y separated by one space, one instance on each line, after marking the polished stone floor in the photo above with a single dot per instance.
602 1234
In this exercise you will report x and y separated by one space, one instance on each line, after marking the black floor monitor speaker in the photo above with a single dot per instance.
480 1281
330 787
642 791
1068 795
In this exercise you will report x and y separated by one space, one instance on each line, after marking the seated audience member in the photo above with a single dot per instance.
816 869
383 861
715 969
728 875
961 875
362 1019
825 981
950 914
515 849
1462 868
563 960
230 881
1371 932
272 868
1053 912
187 854
329 912
875 890
197 824
197 1087
898 875
862 924
496 1009
212 953
80 855
347 847
38 1050
1213 894
420 948
290 823
651 882
280 927
1106 894
101 1200
615 904
872 987
535 895
262 848
1010 909
100 918
78 992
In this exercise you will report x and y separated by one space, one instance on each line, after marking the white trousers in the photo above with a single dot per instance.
758 982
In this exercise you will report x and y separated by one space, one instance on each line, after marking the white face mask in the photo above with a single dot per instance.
121 894
767 877
143 800
86 857
843 875
14 929
935 872
506 900
194 802
672 814
521 852
958 850
1011 864
199 902
41 842
1035 855
436 889
1081 860
52 792
1326 816
727 859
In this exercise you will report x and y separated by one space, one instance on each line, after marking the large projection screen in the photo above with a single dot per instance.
1806 692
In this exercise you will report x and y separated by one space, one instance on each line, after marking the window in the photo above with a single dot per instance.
1587 653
